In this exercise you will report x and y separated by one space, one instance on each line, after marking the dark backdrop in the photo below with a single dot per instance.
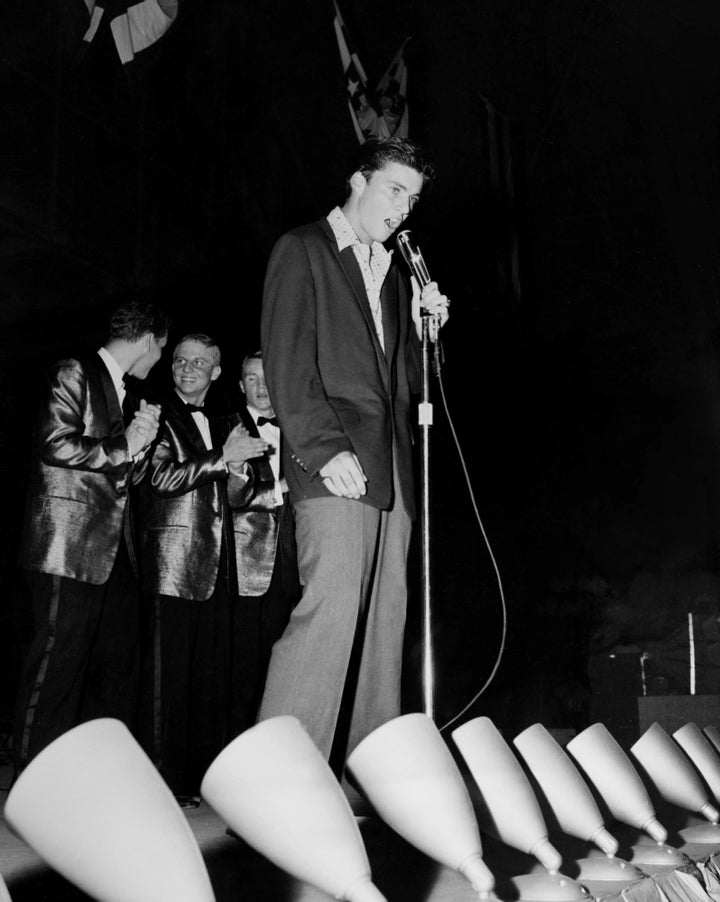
586 404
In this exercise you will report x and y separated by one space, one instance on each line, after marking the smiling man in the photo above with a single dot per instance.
341 359
188 569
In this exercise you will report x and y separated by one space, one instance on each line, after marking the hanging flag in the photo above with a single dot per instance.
95 13
391 93
135 27
381 113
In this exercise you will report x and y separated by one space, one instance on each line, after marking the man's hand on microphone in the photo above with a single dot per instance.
434 303
343 476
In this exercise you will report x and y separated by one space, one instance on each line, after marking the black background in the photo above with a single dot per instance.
586 408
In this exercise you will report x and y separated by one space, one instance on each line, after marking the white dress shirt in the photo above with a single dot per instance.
202 424
204 427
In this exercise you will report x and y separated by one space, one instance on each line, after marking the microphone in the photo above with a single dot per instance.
416 264
413 257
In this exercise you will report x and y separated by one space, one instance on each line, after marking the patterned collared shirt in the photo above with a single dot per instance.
374 261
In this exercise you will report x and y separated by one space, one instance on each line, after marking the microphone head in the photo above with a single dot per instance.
413 257
404 242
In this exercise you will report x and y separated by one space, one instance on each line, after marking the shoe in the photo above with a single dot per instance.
187 801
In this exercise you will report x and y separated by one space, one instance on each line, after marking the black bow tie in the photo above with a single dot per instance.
271 420
193 408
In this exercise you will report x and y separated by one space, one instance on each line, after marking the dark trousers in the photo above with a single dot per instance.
187 686
83 661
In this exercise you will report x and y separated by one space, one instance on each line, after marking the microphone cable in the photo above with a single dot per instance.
416 264
498 578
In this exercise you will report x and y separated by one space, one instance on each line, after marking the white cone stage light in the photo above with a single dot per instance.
4 894
512 807
407 772
274 788
574 807
611 772
703 754
672 773
567 793
514 812
94 808
683 784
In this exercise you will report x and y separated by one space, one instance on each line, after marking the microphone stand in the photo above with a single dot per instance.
425 418
417 267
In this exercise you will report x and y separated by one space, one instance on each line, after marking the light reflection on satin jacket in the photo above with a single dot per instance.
80 475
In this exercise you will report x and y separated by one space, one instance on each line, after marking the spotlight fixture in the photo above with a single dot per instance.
94 808
273 787
407 772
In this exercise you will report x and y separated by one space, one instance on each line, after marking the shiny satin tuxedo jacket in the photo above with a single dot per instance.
184 516
257 523
80 476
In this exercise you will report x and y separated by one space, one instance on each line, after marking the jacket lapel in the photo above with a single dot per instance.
390 314
192 432
107 387
216 432
261 464
351 269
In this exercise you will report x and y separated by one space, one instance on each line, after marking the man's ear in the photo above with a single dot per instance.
216 370
242 385
358 182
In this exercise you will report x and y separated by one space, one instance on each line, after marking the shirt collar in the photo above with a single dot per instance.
346 236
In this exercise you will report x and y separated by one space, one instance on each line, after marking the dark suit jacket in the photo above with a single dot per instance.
259 524
184 518
80 475
333 388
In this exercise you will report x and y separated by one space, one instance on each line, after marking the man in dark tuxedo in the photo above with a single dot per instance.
265 552
187 561
341 359
77 545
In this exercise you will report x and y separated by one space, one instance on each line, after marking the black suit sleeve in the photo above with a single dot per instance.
290 353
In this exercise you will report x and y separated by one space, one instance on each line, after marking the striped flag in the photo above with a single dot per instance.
381 113
135 26
391 93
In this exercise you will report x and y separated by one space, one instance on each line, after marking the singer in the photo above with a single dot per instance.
341 361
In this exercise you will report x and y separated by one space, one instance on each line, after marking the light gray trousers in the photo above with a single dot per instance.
352 560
